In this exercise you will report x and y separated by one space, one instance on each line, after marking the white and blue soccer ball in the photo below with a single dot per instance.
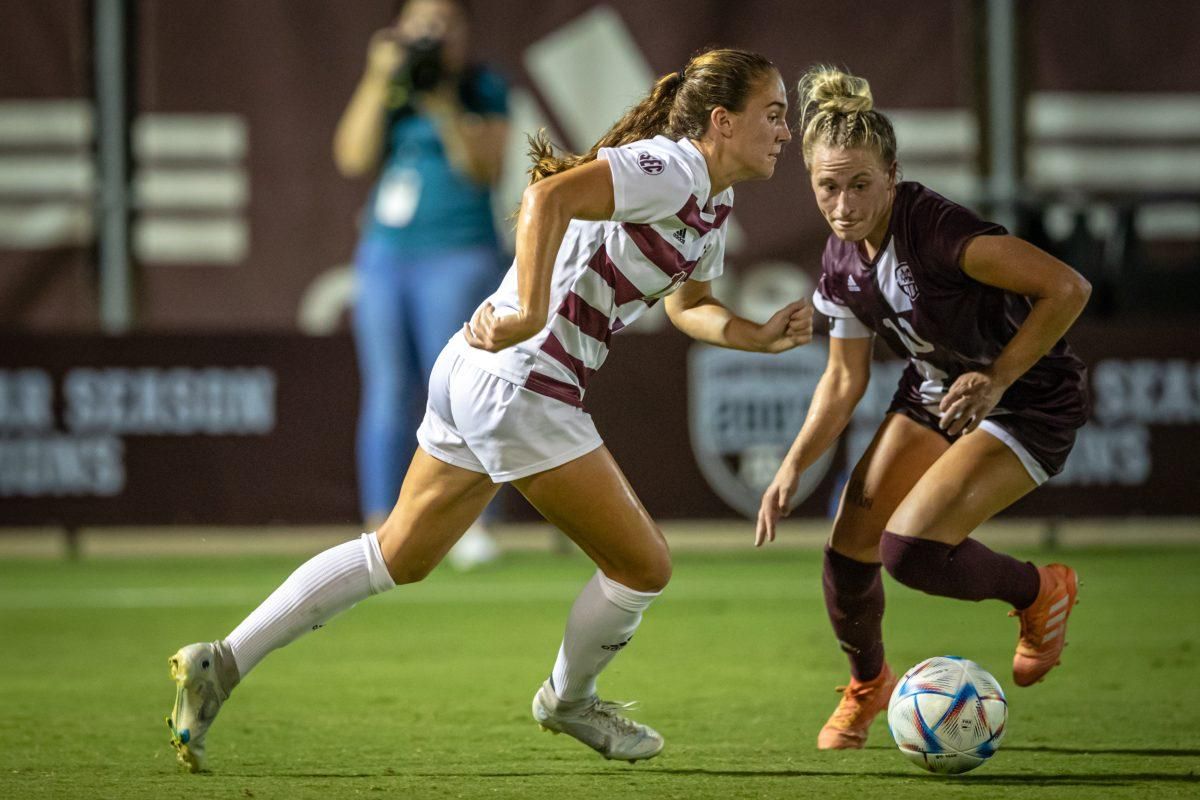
947 715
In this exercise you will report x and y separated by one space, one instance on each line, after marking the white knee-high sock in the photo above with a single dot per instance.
325 585
601 623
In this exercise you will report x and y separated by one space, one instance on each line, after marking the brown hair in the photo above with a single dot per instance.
679 105
836 109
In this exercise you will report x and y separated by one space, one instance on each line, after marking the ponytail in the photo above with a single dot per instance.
646 120
678 106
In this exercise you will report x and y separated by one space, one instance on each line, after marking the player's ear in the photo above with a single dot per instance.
892 174
720 121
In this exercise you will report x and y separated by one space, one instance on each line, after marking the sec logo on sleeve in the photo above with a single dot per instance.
650 164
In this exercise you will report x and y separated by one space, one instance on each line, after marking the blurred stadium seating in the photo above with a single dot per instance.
219 244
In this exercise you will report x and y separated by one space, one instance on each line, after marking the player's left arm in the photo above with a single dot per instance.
1058 293
693 310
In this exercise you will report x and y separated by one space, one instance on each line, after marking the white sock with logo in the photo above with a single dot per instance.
601 623
324 586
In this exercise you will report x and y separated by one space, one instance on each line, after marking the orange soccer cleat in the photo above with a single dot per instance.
861 702
1044 624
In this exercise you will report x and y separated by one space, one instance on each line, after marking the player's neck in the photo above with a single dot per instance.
875 239
720 176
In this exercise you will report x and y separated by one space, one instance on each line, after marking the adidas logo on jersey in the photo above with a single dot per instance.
680 235
852 284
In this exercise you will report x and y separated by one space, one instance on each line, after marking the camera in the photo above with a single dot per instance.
422 67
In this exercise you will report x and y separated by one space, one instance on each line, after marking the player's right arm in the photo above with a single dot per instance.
841 387
547 208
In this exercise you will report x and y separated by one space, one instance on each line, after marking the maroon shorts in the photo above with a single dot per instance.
1049 444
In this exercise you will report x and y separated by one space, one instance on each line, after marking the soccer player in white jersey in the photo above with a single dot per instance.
600 238
985 412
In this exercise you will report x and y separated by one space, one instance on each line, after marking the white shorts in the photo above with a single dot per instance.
484 423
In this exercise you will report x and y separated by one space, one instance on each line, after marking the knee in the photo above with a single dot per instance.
405 563
657 575
856 538
911 561
407 572
650 574
895 555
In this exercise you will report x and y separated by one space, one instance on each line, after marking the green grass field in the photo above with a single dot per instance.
425 692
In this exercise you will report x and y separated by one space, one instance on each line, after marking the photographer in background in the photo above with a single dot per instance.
433 127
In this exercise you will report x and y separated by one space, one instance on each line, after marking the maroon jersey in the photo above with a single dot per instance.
915 295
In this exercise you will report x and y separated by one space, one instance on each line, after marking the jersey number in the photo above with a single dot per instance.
915 344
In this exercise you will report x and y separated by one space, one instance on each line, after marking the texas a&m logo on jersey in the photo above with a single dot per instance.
907 283
650 164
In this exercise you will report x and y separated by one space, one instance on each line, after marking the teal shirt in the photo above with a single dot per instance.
419 203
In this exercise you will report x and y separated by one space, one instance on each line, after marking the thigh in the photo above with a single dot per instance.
898 456
437 503
590 500
977 477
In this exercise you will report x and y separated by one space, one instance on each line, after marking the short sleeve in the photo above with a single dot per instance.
712 263
941 229
650 182
843 324
827 299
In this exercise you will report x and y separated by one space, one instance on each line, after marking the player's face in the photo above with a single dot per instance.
854 191
760 129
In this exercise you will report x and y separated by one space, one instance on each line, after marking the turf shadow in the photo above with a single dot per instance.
1108 779
1107 751
976 779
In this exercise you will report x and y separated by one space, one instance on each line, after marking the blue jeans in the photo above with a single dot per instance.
407 309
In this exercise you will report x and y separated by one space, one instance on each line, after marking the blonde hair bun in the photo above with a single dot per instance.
837 109
837 92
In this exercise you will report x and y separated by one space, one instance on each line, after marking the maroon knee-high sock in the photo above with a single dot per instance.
969 571
854 600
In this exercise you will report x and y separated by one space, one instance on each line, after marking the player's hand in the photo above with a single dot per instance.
385 53
970 399
790 326
487 331
775 504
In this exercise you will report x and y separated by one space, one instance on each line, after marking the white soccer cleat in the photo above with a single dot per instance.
204 674
598 724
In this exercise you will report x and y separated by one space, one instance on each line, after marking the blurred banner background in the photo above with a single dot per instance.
174 240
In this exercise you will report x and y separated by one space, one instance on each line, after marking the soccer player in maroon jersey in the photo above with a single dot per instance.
600 239
986 410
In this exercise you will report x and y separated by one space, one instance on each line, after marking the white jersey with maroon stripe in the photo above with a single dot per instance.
664 231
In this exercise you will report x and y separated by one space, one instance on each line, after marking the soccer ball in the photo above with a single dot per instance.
947 715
